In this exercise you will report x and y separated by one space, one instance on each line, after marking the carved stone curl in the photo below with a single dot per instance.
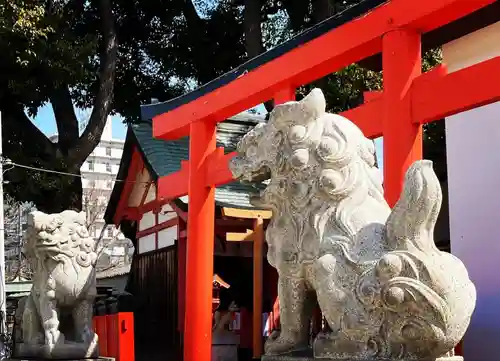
384 288
57 317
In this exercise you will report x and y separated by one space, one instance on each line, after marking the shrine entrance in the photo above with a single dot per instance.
392 34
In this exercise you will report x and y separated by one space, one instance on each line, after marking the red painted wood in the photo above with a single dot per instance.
135 166
353 41
200 246
157 228
101 330
258 283
125 333
112 335
181 276
429 104
218 170
175 183
401 61
132 214
152 206
284 95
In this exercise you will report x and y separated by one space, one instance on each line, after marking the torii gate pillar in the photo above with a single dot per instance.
473 158
200 245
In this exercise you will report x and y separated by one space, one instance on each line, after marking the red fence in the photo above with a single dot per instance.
116 335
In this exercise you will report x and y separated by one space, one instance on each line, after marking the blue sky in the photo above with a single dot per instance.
46 122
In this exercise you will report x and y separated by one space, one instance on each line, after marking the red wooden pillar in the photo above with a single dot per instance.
199 271
258 258
181 276
401 61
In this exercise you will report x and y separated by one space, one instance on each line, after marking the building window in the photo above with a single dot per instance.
110 232
91 165
109 184
108 167
108 151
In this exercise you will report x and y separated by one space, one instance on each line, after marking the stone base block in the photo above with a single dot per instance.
224 353
60 351
305 357
80 359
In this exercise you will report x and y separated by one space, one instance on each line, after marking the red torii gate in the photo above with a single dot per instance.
409 99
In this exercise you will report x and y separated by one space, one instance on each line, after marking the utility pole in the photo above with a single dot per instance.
3 298
19 245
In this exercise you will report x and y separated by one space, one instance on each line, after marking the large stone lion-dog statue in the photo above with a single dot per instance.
383 287
57 316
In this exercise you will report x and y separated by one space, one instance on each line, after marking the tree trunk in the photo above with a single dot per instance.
68 197
253 34
252 26
29 147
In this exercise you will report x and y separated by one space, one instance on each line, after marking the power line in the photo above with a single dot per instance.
13 165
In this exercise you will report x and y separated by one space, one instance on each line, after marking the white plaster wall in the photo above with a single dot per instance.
148 220
167 237
474 195
147 243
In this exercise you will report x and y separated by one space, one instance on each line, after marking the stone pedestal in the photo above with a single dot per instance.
64 351
225 346
44 359
311 358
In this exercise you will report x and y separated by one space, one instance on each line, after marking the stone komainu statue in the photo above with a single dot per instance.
384 288
57 317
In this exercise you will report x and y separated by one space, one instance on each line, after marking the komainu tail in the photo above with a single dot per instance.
411 223
426 293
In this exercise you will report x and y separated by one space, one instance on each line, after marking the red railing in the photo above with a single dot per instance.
116 335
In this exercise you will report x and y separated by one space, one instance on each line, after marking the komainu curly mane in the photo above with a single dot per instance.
59 307
375 272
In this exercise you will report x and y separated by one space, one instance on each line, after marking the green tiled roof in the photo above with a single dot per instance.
164 157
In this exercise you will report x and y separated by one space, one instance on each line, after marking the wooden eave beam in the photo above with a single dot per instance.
158 203
246 213
132 214
248 236
145 194
136 164
434 95
354 41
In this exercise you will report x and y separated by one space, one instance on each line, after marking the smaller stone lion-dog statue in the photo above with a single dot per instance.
57 317
384 288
